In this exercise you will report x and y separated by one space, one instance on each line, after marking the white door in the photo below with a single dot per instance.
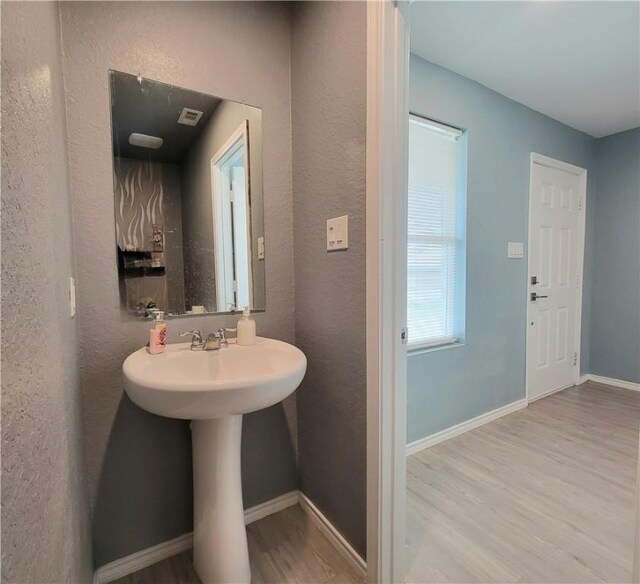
556 227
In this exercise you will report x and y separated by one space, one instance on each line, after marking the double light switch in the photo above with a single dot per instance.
338 233
515 250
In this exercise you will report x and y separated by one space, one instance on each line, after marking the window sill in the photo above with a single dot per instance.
419 350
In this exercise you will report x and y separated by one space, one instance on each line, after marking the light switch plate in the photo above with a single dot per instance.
338 233
260 248
515 250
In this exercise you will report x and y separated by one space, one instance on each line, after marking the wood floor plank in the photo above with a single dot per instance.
545 494
286 547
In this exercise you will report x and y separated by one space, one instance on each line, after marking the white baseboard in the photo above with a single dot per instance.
463 427
149 556
270 507
610 381
334 536
142 559
551 392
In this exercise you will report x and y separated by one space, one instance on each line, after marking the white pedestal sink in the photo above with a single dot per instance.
214 389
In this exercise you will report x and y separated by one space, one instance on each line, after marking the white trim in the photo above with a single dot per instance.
450 131
270 507
142 559
154 554
549 162
481 420
581 173
386 300
552 391
415 352
420 346
334 536
610 381
222 281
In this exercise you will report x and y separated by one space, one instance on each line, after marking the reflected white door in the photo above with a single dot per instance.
555 264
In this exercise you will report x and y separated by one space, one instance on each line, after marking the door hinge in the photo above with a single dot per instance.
575 359
580 204
403 336
235 286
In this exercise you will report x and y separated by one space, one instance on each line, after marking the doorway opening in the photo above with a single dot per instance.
493 470
232 222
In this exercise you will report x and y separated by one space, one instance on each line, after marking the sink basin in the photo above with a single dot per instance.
214 389
200 385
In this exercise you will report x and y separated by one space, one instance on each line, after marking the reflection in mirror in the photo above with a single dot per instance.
188 199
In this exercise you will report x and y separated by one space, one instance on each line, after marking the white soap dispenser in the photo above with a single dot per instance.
246 329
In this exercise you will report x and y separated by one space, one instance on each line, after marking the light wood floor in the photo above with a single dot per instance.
542 495
545 494
284 547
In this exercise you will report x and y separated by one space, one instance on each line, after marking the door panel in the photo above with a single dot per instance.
554 242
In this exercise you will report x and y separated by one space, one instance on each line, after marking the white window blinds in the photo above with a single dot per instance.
432 240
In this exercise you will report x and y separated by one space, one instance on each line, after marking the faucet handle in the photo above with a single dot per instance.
222 335
196 338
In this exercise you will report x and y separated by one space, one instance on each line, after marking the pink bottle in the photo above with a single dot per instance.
158 335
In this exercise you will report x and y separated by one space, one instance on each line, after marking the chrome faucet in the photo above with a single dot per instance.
217 340
196 339
212 343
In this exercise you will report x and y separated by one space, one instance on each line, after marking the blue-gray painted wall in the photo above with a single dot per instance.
615 306
451 385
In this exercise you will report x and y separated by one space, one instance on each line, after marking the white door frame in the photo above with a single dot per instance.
241 133
386 211
581 173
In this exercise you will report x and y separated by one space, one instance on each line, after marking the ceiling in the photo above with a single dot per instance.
576 62
152 108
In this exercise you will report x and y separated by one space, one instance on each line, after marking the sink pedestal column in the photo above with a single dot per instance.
220 552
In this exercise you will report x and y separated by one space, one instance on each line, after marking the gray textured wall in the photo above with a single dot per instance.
138 465
328 90
615 307
173 242
44 503
197 215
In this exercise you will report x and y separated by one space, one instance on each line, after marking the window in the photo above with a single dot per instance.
436 234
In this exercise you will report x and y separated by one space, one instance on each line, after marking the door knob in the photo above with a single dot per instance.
535 296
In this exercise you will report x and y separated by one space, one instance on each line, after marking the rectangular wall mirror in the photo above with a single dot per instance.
189 217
